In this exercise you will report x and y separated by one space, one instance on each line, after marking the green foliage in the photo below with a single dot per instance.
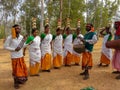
98 13
53 14
9 8
74 12
31 9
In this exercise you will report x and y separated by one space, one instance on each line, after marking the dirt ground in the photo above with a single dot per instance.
67 78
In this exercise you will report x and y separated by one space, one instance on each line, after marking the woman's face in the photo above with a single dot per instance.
58 32
78 31
47 30
67 32
35 33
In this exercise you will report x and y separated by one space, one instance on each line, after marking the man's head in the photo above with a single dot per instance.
91 25
88 27
47 29
116 24
17 28
107 29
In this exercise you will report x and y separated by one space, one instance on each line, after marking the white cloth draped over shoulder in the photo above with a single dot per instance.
106 51
77 41
46 45
58 45
34 50
68 46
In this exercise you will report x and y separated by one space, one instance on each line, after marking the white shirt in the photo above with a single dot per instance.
45 45
58 45
106 51
68 46
11 44
36 43
34 50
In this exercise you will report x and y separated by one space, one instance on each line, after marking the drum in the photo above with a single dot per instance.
80 48
114 44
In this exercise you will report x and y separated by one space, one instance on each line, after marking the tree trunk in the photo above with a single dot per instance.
14 18
5 26
42 16
61 3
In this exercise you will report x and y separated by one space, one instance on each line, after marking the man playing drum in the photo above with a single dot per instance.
90 39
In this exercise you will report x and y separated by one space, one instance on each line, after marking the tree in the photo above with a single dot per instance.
75 11
8 7
97 12
30 9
